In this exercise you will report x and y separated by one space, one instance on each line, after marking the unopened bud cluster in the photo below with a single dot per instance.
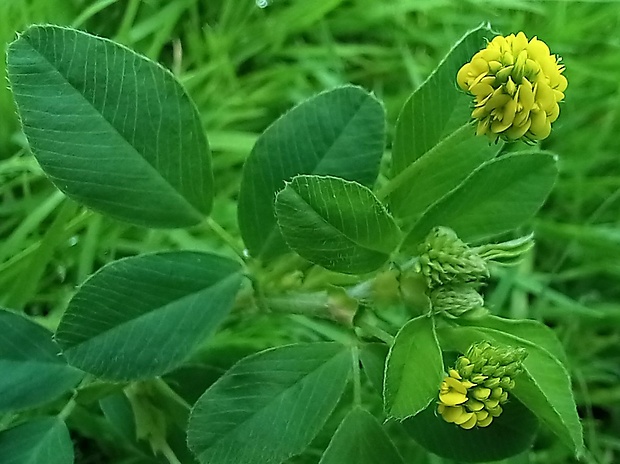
445 259
474 391
454 271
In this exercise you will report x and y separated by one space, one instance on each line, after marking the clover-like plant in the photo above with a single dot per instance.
374 288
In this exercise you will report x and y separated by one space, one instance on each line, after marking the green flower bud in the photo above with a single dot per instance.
456 300
445 259
492 383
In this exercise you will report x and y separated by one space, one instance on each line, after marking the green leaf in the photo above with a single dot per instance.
527 329
544 387
435 146
112 129
339 133
143 316
42 440
32 370
117 410
270 405
360 439
372 357
512 432
441 169
335 223
414 369
499 196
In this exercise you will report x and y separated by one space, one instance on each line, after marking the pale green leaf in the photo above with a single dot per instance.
335 223
339 133
43 440
32 370
269 406
497 197
435 146
438 171
414 369
112 129
361 439
142 316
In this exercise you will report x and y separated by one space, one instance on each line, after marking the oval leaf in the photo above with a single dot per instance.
414 369
339 133
43 440
512 432
499 196
432 125
437 172
142 316
29 357
269 406
112 129
335 223
360 439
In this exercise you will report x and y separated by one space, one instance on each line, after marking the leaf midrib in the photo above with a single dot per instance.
250 417
194 210
167 307
330 225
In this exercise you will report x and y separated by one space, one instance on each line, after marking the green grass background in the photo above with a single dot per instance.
245 65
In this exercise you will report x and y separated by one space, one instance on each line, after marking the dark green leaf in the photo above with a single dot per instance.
32 370
339 133
499 196
544 387
142 316
335 223
360 439
111 129
435 146
509 434
414 369
43 440
269 406
372 357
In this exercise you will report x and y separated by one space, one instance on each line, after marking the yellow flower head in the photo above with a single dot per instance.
473 392
517 85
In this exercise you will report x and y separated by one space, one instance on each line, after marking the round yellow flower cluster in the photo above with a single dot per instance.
517 85
473 392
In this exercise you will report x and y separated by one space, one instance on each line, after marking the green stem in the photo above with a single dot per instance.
357 376
403 177
309 304
169 454
6 420
226 238
376 332
166 390
68 408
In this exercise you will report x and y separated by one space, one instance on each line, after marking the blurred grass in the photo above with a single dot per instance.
245 65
